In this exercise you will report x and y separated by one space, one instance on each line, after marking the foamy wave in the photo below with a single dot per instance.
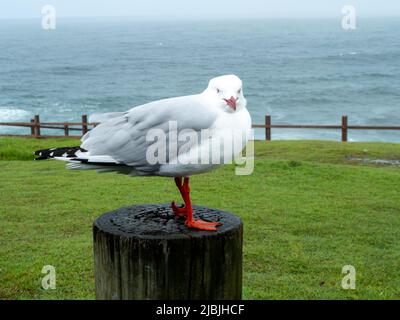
13 114
352 53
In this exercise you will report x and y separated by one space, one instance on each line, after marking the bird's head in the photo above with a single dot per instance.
227 92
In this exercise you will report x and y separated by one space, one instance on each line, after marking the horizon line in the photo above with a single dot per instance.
185 18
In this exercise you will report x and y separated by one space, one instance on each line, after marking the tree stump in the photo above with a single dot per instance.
145 252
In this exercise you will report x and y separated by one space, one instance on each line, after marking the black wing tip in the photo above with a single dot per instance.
40 155
67 152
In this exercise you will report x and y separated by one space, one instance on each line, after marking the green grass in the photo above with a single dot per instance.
22 148
307 212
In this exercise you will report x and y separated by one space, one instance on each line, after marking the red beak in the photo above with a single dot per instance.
231 102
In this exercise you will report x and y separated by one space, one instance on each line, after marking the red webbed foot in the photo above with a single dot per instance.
187 211
202 225
179 211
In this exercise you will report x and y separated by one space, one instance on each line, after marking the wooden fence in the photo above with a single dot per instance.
344 127
35 125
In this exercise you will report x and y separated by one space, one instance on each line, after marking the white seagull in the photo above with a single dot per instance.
142 141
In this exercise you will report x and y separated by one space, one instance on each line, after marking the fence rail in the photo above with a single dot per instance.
344 127
35 125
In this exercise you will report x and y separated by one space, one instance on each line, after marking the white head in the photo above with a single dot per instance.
227 91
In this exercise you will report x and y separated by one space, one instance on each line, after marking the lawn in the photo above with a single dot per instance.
307 211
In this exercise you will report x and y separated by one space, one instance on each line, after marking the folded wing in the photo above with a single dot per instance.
123 137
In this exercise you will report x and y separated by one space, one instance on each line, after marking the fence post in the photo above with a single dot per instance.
32 127
66 130
140 254
344 128
36 121
268 127
84 124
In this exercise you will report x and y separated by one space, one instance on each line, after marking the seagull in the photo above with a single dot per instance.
147 139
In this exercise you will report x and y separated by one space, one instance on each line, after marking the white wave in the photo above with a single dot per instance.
13 114
352 53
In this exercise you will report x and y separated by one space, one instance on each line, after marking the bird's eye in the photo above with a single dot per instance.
239 91
218 91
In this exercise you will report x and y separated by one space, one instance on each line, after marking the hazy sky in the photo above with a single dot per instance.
199 8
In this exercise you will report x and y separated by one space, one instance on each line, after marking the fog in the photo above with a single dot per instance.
203 9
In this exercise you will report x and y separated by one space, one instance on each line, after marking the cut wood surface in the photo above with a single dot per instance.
145 252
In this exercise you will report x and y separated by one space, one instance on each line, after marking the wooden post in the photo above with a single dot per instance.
268 127
84 124
344 128
145 252
36 121
66 130
32 127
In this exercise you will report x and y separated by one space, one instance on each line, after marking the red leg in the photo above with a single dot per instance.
190 221
182 212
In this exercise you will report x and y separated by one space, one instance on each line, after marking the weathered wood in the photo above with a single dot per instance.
268 127
32 127
305 126
84 124
145 252
42 137
66 130
36 121
344 128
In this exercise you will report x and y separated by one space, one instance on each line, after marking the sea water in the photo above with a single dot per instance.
306 71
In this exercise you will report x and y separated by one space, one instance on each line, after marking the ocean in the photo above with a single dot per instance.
305 71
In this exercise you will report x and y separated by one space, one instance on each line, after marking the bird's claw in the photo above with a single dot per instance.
191 223
202 225
179 211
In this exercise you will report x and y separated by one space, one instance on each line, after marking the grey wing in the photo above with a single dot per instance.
123 138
